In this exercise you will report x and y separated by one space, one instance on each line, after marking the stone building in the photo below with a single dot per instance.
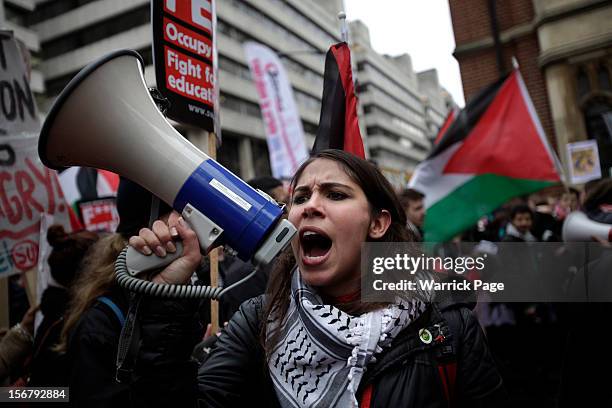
564 50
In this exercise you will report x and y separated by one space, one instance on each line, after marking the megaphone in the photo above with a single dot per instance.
105 118
577 227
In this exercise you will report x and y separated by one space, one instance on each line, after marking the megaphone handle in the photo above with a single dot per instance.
138 263
207 231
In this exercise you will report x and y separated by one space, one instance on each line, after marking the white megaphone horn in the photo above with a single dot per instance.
577 227
105 118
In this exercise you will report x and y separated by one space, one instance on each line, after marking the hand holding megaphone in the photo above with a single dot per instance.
183 261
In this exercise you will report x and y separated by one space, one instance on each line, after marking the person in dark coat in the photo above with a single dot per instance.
586 368
48 366
99 306
310 340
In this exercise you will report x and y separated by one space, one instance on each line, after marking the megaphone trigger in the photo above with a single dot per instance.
138 263
208 234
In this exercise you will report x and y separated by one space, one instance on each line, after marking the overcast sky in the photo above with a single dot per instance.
421 28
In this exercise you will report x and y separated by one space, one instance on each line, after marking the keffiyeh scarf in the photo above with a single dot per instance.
323 352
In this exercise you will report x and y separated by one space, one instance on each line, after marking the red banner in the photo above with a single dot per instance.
185 61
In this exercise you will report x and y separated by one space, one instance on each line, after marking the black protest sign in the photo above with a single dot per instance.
183 53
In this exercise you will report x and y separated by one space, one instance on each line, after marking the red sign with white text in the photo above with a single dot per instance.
100 215
188 77
196 12
187 39
184 57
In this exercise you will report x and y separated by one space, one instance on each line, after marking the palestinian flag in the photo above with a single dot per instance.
338 124
495 150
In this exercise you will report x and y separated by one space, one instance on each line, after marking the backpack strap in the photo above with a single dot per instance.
115 309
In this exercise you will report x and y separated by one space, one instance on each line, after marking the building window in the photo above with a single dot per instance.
228 153
603 78
96 32
583 83
595 100
598 120
309 128
261 158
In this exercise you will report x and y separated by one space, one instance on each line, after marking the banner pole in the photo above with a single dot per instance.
213 255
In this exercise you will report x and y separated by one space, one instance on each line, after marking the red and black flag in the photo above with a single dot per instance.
338 124
450 118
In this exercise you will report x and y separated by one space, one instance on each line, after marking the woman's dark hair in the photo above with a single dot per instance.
380 196
68 252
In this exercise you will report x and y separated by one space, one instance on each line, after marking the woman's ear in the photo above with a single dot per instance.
380 224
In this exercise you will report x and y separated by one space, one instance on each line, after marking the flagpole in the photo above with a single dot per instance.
344 34
515 63
343 26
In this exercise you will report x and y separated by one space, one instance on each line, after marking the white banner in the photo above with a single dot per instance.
27 188
281 118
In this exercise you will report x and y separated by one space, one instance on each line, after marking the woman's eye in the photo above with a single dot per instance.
336 195
299 199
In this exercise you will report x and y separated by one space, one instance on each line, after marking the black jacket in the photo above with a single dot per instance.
91 354
406 375
48 367
237 269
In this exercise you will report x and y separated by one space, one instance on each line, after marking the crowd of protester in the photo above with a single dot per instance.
544 350
540 348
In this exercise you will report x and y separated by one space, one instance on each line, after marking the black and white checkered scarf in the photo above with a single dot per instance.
323 352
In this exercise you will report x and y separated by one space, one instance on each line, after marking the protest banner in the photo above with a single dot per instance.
184 56
583 160
27 188
284 132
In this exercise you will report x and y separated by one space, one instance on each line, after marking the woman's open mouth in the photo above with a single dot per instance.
315 246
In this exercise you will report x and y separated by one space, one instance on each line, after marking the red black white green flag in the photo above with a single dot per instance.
496 149
338 124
